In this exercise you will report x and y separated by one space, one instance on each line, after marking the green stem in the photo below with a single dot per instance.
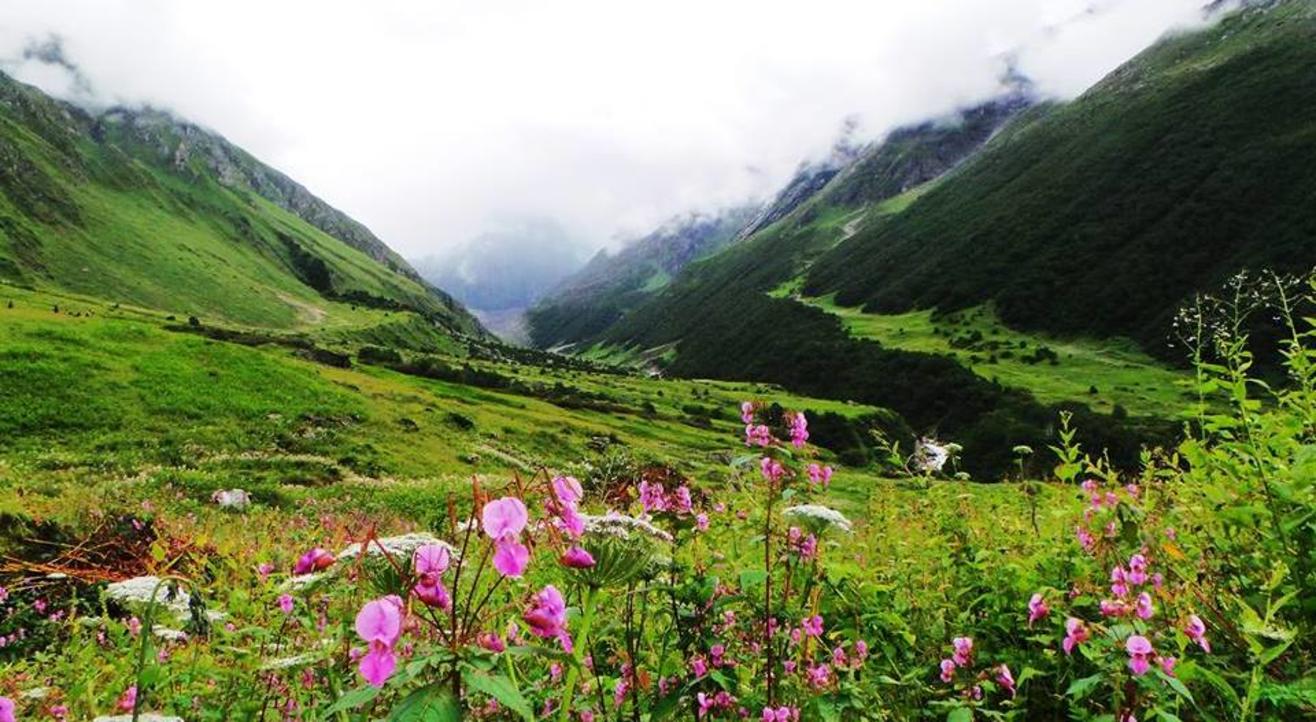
578 654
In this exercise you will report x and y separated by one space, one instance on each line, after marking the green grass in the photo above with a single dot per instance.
1122 374
109 392
104 215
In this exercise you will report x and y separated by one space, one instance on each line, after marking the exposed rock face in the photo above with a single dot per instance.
610 284
913 155
810 178
188 146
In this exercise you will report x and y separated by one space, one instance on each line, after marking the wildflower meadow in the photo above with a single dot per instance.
1183 590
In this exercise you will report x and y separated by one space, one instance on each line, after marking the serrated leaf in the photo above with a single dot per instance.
353 699
1080 688
428 704
502 689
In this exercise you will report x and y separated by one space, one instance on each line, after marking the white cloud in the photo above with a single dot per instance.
428 120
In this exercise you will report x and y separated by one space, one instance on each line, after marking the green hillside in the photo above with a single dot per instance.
137 207
611 285
118 389
1101 216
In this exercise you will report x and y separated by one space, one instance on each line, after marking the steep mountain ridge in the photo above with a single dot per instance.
135 205
1097 216
1104 215
611 284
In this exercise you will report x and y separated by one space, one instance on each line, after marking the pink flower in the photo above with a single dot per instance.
1118 582
1140 653
504 517
701 522
813 626
378 665
511 557
568 490
780 714
264 570
6 709
313 561
820 475
819 676
698 667
1144 606
429 562
1005 678
963 650
379 624
799 429
1137 570
772 469
759 435
861 650
577 558
1085 538
286 603
1037 608
128 699
547 615
1076 632
684 503
653 497
1113 608
947 670
380 621
747 412
1196 631
1167 665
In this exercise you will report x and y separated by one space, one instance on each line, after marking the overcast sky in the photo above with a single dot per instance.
431 121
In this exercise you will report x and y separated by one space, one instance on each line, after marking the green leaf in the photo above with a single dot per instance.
1176 685
752 578
502 689
1080 688
827 710
428 704
960 714
353 699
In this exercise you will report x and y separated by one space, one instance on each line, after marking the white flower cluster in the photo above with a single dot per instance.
237 499
622 526
819 515
137 592
402 546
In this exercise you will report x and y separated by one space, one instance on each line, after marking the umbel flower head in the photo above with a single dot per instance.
818 518
623 548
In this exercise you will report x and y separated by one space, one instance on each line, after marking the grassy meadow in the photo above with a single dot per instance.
119 427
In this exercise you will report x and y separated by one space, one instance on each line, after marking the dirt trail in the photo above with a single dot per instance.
306 313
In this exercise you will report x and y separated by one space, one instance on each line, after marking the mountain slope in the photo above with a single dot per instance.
1101 216
138 207
610 285
726 318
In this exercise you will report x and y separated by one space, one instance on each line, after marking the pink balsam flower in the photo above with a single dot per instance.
314 560
547 615
1196 631
379 624
1140 653
1037 608
429 562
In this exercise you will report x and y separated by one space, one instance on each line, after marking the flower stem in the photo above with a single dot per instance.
578 654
